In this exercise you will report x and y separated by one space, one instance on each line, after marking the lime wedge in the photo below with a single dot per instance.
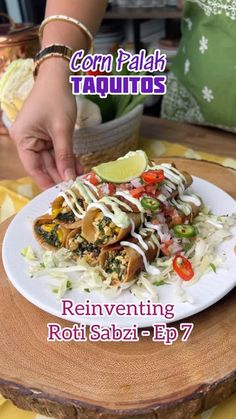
124 169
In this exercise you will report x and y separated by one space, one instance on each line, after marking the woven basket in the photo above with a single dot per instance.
108 141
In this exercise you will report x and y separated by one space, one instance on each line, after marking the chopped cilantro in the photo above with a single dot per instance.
159 283
69 285
213 267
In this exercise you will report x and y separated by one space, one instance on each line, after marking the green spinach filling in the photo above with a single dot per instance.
106 230
85 248
50 238
67 217
116 264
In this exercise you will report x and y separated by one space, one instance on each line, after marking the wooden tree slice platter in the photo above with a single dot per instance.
112 380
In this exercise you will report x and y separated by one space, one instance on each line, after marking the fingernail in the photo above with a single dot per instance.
69 174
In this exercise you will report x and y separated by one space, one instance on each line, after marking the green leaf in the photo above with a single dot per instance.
136 100
121 103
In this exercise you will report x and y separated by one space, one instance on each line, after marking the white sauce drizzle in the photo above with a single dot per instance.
123 204
170 185
158 228
118 217
76 204
191 198
186 208
162 198
131 199
172 175
93 187
150 242
138 236
168 188
70 205
174 170
85 192
151 270
156 241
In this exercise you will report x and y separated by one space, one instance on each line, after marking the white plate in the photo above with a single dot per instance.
207 291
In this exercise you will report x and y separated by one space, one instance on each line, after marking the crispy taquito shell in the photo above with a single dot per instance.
88 229
188 182
135 260
92 262
47 219
72 233
56 204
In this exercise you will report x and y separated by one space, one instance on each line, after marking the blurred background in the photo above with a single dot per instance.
132 24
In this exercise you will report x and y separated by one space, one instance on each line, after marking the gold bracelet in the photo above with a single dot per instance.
54 50
71 20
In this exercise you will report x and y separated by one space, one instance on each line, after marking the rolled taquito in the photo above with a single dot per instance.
174 180
123 263
99 229
187 206
69 207
81 248
49 234
68 216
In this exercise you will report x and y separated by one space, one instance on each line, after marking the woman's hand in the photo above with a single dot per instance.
44 128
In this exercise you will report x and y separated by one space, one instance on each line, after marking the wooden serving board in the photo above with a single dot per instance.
112 380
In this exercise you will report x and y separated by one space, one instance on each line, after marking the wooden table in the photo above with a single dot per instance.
198 138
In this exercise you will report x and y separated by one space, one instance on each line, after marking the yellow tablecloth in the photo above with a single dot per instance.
15 194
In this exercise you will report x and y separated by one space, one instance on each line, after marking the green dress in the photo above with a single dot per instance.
202 84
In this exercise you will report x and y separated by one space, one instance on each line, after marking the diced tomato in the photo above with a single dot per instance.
169 211
105 189
92 178
153 176
100 193
177 219
111 188
165 247
155 222
125 187
137 192
183 267
151 190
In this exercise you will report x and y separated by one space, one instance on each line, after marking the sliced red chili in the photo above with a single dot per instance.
183 267
153 176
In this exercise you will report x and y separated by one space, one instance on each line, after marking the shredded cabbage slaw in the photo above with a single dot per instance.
67 274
